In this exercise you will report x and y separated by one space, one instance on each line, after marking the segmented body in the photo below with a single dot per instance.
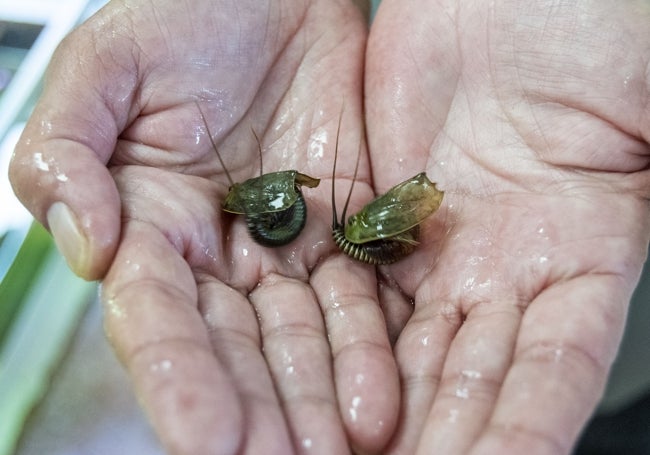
375 252
272 229
272 203
387 228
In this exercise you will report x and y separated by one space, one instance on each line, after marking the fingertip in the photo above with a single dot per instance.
73 244
71 193
370 402
366 374
190 401
68 238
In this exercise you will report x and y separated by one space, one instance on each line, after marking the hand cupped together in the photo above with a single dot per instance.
231 346
535 120
494 336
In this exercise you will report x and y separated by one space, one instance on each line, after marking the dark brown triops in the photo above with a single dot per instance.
272 203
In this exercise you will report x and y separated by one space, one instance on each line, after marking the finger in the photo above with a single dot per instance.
474 368
151 319
408 91
395 306
365 373
235 336
58 168
568 339
72 193
298 355
420 353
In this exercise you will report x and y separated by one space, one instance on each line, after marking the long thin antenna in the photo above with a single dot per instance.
354 179
335 221
207 128
259 147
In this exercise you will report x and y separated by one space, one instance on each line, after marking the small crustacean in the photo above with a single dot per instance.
272 203
387 229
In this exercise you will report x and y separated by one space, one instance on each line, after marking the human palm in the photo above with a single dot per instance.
535 122
527 120
231 346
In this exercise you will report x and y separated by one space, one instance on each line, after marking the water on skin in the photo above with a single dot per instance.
465 380
353 410
317 143
49 166
162 366
114 309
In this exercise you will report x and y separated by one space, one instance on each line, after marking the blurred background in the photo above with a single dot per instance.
62 390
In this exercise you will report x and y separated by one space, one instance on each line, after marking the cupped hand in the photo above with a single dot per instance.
232 347
535 119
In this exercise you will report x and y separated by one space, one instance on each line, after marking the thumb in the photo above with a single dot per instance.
58 169
72 194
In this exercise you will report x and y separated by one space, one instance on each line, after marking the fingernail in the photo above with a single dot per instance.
68 237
